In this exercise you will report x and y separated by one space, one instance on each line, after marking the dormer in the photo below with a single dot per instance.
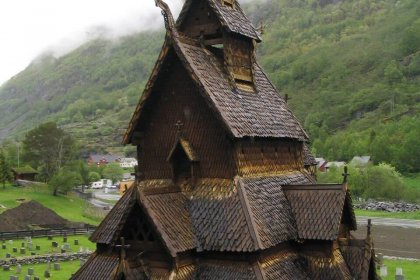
184 162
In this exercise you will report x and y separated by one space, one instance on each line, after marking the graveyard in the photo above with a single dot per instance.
49 257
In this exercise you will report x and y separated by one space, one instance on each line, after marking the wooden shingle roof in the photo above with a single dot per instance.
109 229
98 266
233 19
318 209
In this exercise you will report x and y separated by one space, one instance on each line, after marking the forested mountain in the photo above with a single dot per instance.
351 69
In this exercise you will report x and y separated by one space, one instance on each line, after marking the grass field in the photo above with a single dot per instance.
381 214
411 269
66 270
69 207
412 181
46 245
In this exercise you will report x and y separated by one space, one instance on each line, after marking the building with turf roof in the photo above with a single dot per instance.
222 191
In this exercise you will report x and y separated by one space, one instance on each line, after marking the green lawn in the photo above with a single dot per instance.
399 215
66 270
46 245
411 269
412 181
69 207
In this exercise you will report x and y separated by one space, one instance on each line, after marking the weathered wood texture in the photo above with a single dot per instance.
177 98
268 156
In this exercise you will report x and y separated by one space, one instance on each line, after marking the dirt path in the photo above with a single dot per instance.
393 240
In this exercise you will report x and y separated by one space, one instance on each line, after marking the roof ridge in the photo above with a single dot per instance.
248 216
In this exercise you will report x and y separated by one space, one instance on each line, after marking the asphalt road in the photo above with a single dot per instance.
392 237
404 223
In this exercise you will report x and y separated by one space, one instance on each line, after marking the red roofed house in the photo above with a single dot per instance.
222 191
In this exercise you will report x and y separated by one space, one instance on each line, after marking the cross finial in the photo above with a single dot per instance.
179 125
369 227
261 27
122 247
345 175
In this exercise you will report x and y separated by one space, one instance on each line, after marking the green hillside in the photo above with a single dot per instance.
351 69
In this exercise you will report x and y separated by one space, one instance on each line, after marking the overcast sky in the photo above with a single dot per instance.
31 27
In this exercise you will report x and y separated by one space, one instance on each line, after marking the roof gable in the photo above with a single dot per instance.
232 19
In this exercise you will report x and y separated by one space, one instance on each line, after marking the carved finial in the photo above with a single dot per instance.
286 97
167 14
345 174
179 126
369 227
261 27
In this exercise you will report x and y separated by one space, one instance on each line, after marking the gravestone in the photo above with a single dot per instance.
81 249
12 277
3 246
23 250
30 271
37 247
36 278
14 250
10 241
47 274
399 274
50 237
27 277
65 238
6 267
22 244
63 251
66 246
54 244
76 242
8 256
33 253
30 246
18 269
56 266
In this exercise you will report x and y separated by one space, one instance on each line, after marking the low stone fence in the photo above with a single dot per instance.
387 206
45 258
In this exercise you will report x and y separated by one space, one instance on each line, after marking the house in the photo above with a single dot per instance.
26 173
221 191
98 159
334 164
321 164
128 162
361 161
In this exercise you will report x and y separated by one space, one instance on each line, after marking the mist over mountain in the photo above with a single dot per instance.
351 69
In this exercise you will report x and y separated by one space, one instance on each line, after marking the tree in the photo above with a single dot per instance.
113 171
48 147
5 175
63 181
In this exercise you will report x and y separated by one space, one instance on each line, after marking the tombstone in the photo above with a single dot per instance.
37 247
76 242
65 238
30 246
399 274
3 246
48 265
8 256
380 258
81 249
27 277
10 241
54 244
14 250
6 267
30 271
36 278
18 269
23 250
47 274
33 253
22 244
50 237
12 277
66 246
56 266
63 251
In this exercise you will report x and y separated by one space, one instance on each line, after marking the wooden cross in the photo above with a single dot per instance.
345 175
179 125
122 248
